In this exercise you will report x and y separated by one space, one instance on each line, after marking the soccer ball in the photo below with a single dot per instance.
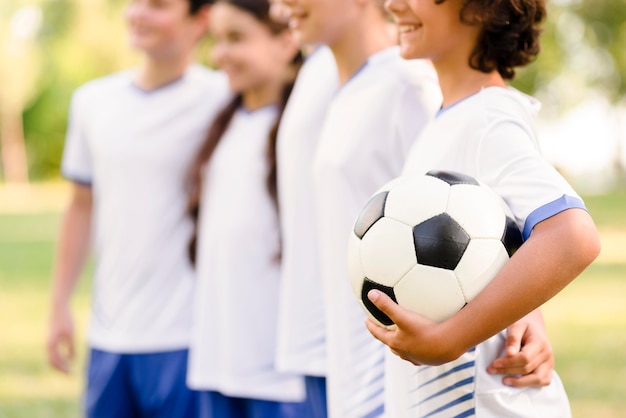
431 243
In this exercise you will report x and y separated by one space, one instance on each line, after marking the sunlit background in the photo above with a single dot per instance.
50 47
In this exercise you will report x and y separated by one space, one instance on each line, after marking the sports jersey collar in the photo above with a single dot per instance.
530 102
269 108
158 88
442 110
380 56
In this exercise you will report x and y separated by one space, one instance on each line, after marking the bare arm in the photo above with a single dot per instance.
558 250
72 252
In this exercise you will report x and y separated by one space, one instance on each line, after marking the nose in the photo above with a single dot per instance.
395 6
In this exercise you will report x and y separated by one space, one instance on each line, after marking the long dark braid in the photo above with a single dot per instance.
216 131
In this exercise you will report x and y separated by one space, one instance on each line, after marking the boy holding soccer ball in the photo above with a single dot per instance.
487 130
344 133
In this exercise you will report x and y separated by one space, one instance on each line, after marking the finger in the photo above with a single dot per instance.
64 351
386 305
380 333
520 364
542 376
55 358
514 335
71 348
527 359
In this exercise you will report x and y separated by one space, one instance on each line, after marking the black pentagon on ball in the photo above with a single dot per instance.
511 237
452 177
372 212
377 313
440 242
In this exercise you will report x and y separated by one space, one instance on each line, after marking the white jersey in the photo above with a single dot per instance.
135 148
302 330
490 136
370 126
238 270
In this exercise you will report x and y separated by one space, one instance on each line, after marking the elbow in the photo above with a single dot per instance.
593 248
585 235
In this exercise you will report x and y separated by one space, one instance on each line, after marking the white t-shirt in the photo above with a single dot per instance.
302 330
135 148
370 126
238 270
490 136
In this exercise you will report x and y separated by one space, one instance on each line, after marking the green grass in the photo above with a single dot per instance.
587 327
28 387
586 322
608 210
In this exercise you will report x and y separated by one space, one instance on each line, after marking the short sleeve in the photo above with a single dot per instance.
77 163
509 161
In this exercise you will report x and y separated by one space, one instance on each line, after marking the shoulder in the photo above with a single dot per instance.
321 56
199 74
508 104
400 71
319 69
406 79
411 86
491 108
104 86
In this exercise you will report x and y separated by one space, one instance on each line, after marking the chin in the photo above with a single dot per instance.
306 38
408 54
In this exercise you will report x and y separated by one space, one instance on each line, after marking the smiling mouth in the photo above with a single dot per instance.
407 28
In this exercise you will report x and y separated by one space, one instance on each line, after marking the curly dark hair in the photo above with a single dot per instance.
510 33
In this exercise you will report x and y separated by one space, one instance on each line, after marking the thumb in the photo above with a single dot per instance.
385 304
514 335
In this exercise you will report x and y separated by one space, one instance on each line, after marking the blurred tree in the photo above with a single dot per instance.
582 51
78 40
81 40
19 70
583 56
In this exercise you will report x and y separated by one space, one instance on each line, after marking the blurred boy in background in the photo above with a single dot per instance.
131 139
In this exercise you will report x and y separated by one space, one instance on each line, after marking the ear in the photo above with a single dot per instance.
202 19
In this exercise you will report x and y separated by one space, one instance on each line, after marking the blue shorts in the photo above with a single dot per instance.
216 405
139 385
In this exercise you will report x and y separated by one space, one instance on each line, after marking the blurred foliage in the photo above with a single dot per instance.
582 53
78 40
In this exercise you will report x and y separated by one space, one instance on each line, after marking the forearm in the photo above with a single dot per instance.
72 252
559 249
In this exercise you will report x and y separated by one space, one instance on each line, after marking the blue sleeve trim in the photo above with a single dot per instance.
550 209
77 179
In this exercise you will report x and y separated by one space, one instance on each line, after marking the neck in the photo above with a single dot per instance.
265 95
356 44
154 73
459 80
